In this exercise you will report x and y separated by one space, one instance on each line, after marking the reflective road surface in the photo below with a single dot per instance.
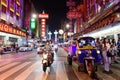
28 66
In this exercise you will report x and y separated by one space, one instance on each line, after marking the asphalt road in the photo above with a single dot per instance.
28 66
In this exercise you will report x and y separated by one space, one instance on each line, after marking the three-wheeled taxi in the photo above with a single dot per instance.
87 55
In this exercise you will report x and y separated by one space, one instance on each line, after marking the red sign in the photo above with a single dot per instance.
70 3
43 16
73 14
9 29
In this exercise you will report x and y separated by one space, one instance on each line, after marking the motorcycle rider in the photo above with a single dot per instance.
48 47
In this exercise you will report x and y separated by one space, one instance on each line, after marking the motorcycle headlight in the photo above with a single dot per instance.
79 52
90 52
98 51
45 56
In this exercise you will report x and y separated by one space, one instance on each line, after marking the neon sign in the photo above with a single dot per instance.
43 16
9 29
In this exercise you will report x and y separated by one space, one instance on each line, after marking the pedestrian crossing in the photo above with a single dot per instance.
32 70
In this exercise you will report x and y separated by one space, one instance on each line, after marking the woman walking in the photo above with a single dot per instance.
106 59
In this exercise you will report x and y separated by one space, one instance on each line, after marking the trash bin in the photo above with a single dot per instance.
69 59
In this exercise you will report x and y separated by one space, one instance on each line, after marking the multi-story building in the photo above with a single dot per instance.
11 17
29 10
102 19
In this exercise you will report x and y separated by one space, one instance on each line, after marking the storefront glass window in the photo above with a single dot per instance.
118 35
12 41
1 41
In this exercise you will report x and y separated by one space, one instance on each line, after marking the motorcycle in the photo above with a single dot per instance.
47 60
56 48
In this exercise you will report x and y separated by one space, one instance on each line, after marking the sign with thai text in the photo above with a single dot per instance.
43 16
11 30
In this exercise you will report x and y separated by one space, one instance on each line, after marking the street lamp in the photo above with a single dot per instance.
67 26
55 35
34 16
61 35
49 33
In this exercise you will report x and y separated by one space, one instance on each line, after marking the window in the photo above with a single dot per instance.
11 13
3 9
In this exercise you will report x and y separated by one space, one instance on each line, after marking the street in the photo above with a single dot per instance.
28 66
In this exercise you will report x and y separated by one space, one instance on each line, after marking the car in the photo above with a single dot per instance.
40 48
25 48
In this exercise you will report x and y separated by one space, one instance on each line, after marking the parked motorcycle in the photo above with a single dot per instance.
47 60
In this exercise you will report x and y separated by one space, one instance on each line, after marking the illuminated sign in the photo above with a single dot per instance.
9 29
43 23
43 20
44 16
33 24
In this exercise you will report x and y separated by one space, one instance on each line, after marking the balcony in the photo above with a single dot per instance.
4 3
17 13
3 16
12 7
18 2
11 20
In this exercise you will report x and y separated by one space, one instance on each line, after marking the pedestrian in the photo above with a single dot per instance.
114 53
16 48
106 59
118 47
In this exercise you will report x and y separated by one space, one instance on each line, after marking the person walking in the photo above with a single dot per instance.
106 59
118 47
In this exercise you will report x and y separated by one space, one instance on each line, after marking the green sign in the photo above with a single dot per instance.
32 24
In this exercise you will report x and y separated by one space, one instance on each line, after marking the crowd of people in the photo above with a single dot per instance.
109 50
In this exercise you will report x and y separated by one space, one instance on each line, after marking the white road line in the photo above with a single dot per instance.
42 76
4 63
8 66
11 71
77 74
27 72
61 71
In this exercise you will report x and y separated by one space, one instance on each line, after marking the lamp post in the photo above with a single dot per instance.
49 33
67 26
55 35
61 35
34 16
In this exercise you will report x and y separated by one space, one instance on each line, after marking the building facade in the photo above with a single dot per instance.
11 21
102 19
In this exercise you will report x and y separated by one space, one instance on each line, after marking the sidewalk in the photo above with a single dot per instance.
65 48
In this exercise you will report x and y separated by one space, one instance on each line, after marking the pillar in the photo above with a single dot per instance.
116 37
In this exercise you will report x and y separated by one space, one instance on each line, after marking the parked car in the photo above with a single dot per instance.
25 48
40 48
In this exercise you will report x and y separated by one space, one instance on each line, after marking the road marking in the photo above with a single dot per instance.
77 74
27 72
61 72
4 63
8 66
13 70
42 76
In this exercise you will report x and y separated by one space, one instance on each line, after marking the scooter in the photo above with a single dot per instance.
47 60
56 48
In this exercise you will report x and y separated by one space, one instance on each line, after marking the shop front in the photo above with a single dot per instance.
106 24
10 35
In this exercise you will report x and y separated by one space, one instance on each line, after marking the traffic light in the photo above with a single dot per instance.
32 23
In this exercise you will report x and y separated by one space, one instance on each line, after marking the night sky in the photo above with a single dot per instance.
55 8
